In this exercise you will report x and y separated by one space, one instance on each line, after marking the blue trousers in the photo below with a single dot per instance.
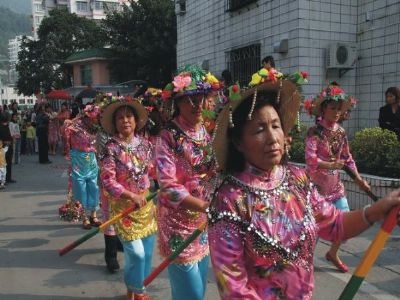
84 179
138 255
189 281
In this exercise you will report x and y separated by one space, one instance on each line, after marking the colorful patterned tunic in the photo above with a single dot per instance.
262 233
185 165
127 166
327 143
80 136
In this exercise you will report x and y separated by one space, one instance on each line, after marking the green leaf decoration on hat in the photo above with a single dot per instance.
234 92
196 72
169 87
209 114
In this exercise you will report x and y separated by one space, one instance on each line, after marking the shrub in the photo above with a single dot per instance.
376 152
298 145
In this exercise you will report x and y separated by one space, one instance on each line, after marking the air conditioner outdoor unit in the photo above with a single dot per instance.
341 56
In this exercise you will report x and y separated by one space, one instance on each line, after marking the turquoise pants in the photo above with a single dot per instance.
138 255
189 281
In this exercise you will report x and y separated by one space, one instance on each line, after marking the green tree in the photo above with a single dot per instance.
41 62
143 36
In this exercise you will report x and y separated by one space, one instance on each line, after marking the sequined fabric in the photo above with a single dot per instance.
138 224
262 233
80 136
185 165
126 166
327 143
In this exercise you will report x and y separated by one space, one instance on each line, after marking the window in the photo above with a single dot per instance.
86 74
237 4
4 101
38 7
81 6
30 101
243 62
181 7
98 5
2 91
38 20
21 101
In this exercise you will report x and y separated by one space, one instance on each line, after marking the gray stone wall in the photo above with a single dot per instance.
207 32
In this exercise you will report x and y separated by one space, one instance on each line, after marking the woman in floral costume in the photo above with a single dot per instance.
266 215
327 151
125 166
80 149
186 173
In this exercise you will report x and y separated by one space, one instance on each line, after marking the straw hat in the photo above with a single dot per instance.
288 108
333 93
106 118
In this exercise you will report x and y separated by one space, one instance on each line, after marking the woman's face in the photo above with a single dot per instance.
332 111
390 98
262 141
191 107
125 122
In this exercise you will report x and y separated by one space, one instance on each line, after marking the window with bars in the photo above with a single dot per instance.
243 62
233 5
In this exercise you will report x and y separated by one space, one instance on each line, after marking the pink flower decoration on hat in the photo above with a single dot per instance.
336 91
181 81
92 111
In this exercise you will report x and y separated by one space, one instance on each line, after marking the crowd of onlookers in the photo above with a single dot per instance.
27 132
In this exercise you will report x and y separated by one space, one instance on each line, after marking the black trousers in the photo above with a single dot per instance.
9 156
43 145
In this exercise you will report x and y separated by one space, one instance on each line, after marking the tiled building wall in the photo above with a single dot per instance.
206 32
379 65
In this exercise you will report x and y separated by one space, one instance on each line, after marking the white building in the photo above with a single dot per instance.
9 94
91 9
14 46
362 37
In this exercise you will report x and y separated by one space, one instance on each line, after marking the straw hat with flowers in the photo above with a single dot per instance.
106 118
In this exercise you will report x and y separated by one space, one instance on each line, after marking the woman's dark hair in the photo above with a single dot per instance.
127 108
235 159
269 59
395 91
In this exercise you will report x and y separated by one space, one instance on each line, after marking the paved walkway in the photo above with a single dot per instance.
31 234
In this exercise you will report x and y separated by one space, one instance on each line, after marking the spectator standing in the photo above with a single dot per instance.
42 128
389 115
3 164
16 135
53 130
6 137
30 138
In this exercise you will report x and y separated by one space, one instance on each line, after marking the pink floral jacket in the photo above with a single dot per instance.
185 165
327 143
262 234
79 136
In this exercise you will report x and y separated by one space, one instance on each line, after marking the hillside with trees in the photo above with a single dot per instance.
11 24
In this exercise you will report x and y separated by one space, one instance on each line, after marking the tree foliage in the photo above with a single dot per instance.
41 62
143 36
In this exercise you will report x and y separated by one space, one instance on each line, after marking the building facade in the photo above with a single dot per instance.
91 9
14 46
353 42
9 95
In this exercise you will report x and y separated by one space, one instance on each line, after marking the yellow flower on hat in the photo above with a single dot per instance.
211 78
255 79
263 73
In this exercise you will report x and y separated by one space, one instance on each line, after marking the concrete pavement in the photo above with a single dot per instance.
31 233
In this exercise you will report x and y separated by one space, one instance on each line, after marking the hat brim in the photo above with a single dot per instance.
289 106
106 118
